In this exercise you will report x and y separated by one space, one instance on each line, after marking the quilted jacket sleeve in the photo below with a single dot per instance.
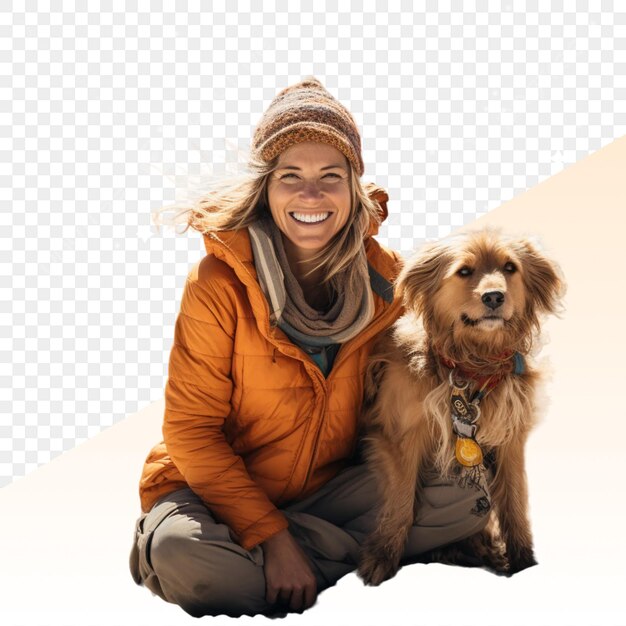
197 401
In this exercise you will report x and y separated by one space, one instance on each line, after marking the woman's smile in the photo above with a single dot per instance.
310 218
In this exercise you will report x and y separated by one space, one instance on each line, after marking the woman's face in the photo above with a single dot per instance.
309 196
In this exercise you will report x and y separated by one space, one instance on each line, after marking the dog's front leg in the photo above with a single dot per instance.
396 464
510 495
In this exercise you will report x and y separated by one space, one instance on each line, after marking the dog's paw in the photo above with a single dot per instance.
495 558
452 554
373 570
498 564
479 550
378 562
520 559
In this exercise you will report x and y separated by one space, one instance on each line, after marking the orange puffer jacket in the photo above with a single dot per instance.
250 421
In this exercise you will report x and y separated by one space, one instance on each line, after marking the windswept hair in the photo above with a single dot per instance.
233 202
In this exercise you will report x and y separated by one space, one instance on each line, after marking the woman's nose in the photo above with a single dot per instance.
310 189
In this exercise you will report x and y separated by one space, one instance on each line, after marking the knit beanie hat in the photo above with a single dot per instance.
303 112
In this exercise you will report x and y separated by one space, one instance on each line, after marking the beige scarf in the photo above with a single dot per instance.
352 308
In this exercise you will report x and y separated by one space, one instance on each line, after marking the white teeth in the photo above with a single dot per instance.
310 218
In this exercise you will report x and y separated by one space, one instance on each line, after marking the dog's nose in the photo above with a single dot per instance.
493 299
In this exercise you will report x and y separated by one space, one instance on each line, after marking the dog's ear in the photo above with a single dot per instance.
422 274
543 277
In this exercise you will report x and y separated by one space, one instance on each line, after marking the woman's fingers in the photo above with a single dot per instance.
295 603
271 594
284 596
310 594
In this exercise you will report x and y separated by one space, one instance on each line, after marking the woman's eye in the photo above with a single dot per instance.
294 177
465 271
510 267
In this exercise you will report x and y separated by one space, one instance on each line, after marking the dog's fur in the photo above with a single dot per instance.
406 414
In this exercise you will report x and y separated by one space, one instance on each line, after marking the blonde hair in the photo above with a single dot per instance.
233 202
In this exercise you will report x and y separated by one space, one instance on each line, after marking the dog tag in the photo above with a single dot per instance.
468 452
467 411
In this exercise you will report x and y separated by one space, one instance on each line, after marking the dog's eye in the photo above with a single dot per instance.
465 271
510 267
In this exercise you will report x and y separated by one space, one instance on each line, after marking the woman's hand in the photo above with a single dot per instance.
289 579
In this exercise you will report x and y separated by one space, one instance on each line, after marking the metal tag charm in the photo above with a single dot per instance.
468 452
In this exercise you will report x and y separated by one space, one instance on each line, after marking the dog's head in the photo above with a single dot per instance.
481 290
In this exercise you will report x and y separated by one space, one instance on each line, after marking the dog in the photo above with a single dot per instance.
451 386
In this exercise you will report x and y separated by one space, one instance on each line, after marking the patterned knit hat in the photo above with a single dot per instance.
306 111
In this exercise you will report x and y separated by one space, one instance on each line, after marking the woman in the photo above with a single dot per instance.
253 503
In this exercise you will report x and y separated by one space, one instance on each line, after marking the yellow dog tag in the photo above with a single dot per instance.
468 452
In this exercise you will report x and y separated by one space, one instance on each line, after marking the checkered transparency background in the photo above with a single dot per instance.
109 110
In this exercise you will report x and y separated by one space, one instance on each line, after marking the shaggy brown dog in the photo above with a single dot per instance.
473 305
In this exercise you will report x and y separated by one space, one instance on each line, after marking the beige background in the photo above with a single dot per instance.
66 528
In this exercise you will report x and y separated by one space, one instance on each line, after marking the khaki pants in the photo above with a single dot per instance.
184 556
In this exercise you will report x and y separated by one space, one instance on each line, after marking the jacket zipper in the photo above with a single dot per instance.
317 437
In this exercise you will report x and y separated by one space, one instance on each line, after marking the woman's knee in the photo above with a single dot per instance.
168 547
204 576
